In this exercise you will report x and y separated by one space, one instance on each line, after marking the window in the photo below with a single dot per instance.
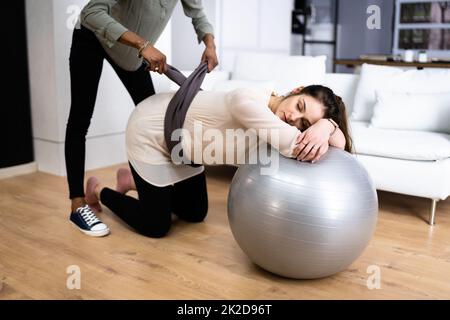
422 25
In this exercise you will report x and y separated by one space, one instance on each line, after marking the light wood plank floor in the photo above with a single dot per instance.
200 261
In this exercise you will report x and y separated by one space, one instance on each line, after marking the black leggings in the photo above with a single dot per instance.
151 214
86 63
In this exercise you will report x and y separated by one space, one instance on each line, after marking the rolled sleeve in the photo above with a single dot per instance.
113 32
96 16
194 10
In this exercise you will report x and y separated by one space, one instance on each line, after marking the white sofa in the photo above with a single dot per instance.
394 160
410 162
415 163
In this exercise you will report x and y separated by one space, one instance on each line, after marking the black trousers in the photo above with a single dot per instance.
151 214
86 63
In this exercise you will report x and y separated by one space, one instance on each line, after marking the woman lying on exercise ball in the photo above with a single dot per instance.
306 122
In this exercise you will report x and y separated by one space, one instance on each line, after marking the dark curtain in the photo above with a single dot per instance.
16 144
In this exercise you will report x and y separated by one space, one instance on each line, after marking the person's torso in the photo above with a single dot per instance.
147 18
145 129
209 128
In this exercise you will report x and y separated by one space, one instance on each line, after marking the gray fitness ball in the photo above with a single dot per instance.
307 220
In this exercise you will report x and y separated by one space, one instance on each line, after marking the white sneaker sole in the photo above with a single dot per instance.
100 233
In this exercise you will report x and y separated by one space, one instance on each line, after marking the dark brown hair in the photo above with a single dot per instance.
334 109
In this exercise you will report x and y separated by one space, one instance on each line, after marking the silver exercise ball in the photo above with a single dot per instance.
306 220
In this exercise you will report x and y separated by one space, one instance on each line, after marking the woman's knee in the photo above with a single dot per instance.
199 217
77 127
155 232
195 215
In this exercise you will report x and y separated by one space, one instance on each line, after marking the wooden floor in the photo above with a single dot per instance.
200 261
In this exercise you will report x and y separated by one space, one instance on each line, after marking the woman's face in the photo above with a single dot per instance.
301 111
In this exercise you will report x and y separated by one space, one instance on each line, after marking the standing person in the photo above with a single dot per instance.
124 33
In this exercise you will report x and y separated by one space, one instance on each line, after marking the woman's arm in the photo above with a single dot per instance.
204 30
314 142
337 139
155 57
194 10
96 16
210 52
250 108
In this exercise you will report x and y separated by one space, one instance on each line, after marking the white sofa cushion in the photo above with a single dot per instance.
412 111
399 144
429 179
391 79
229 85
344 85
372 78
423 81
287 72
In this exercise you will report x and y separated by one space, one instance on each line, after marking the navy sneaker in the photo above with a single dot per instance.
87 222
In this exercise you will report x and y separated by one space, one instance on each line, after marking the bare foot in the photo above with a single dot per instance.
91 198
124 180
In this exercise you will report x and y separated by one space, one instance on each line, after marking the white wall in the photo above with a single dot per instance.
251 25
49 41
354 38
185 48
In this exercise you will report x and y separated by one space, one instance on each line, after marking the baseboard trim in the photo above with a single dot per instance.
18 170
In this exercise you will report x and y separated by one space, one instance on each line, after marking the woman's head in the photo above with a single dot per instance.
306 105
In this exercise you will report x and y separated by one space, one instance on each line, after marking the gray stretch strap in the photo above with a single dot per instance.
181 101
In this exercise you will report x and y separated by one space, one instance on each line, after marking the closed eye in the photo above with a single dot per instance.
301 106
304 123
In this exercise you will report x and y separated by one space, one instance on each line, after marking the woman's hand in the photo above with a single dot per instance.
210 52
296 90
156 59
210 55
312 143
